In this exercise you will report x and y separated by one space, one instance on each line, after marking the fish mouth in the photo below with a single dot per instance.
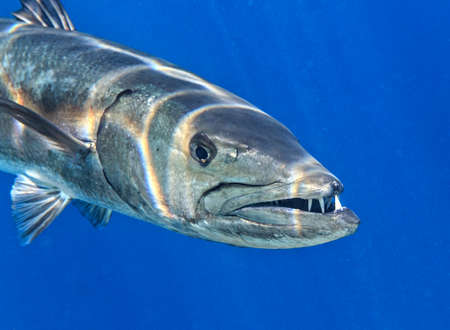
324 206
291 211
277 215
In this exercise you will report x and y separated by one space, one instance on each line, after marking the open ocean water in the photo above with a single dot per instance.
365 85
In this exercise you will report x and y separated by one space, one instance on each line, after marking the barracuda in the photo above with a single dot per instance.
107 128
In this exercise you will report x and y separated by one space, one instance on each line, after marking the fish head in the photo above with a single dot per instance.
238 176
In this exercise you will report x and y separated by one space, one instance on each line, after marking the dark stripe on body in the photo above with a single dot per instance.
71 78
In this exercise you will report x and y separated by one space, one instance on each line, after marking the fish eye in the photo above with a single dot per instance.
201 153
202 149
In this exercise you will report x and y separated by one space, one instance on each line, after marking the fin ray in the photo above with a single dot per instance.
41 125
35 206
97 215
47 13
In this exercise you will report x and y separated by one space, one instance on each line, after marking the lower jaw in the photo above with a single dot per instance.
281 216
282 229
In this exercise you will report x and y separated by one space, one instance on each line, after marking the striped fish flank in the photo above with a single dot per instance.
113 129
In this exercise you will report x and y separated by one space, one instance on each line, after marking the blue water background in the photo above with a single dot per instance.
363 84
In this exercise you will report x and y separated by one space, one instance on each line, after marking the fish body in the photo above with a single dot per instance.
113 129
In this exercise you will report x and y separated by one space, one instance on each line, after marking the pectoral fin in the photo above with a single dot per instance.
35 206
97 215
54 134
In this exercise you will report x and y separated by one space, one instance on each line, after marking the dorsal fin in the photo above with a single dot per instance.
48 13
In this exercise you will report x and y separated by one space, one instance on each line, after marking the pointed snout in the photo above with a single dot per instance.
312 180
318 185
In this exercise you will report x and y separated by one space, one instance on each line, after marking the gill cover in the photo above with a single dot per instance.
123 156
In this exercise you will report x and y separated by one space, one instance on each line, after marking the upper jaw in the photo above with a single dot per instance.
317 193
278 215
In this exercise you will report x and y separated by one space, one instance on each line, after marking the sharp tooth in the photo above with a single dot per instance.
322 204
309 205
337 203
